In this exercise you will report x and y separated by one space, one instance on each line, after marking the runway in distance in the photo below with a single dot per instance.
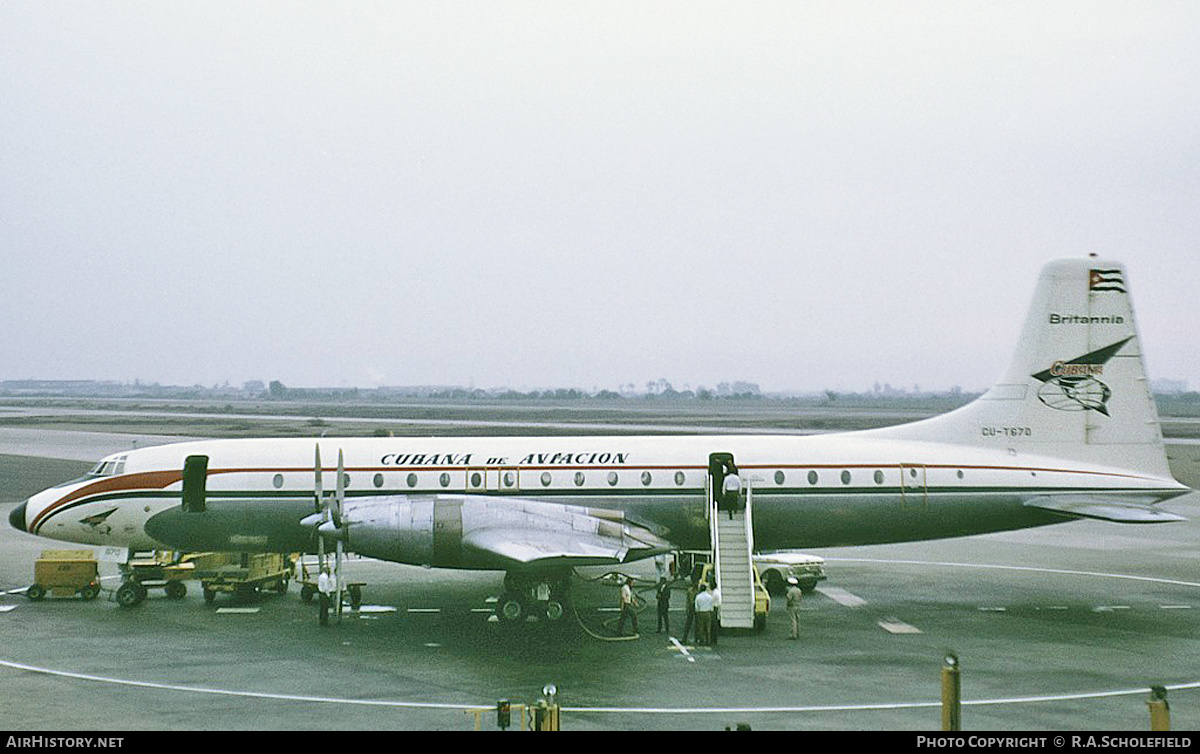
1069 431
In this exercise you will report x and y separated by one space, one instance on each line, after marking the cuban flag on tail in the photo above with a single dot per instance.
1106 280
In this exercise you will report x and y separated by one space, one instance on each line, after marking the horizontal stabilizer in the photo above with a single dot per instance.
1103 509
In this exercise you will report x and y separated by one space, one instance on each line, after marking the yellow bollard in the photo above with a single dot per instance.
545 714
951 693
1160 711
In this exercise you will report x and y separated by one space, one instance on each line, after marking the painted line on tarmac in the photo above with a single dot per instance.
897 626
841 596
230 692
682 649
583 710
1029 569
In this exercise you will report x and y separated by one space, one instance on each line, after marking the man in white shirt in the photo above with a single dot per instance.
704 615
326 586
628 607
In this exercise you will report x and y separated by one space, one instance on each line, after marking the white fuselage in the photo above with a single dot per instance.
1070 429
842 489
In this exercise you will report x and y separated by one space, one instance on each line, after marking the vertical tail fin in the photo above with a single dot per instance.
1076 387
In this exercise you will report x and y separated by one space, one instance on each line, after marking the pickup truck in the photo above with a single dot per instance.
776 567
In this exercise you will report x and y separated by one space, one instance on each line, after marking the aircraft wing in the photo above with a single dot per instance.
1103 508
526 533
545 548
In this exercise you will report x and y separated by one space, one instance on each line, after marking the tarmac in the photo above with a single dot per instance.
1060 628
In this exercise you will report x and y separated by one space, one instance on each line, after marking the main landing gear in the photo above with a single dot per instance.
537 596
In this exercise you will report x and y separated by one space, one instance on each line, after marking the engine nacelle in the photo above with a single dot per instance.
398 529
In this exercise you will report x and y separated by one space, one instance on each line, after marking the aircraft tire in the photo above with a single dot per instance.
510 609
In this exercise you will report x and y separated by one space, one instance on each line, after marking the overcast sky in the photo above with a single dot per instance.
799 194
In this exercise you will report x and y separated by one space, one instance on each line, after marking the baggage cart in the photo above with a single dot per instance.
65 573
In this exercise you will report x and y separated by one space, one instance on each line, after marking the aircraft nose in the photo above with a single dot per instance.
16 517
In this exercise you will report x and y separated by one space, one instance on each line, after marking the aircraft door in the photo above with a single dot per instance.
913 487
724 484
493 478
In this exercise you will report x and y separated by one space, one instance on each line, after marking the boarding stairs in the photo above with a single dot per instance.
732 534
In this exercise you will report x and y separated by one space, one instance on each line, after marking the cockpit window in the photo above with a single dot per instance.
109 467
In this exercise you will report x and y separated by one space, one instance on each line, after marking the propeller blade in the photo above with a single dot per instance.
339 499
317 482
337 576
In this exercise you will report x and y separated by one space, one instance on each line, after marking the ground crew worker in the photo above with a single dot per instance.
691 612
704 615
793 605
628 607
715 627
664 605
326 586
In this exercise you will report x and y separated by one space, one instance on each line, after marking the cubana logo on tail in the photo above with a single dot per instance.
1073 385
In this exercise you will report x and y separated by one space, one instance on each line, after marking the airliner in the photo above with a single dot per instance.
1069 431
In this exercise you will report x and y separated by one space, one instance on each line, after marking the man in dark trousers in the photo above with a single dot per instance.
628 607
664 606
691 611
326 586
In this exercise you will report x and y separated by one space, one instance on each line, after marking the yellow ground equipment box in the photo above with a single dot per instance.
243 574
65 573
